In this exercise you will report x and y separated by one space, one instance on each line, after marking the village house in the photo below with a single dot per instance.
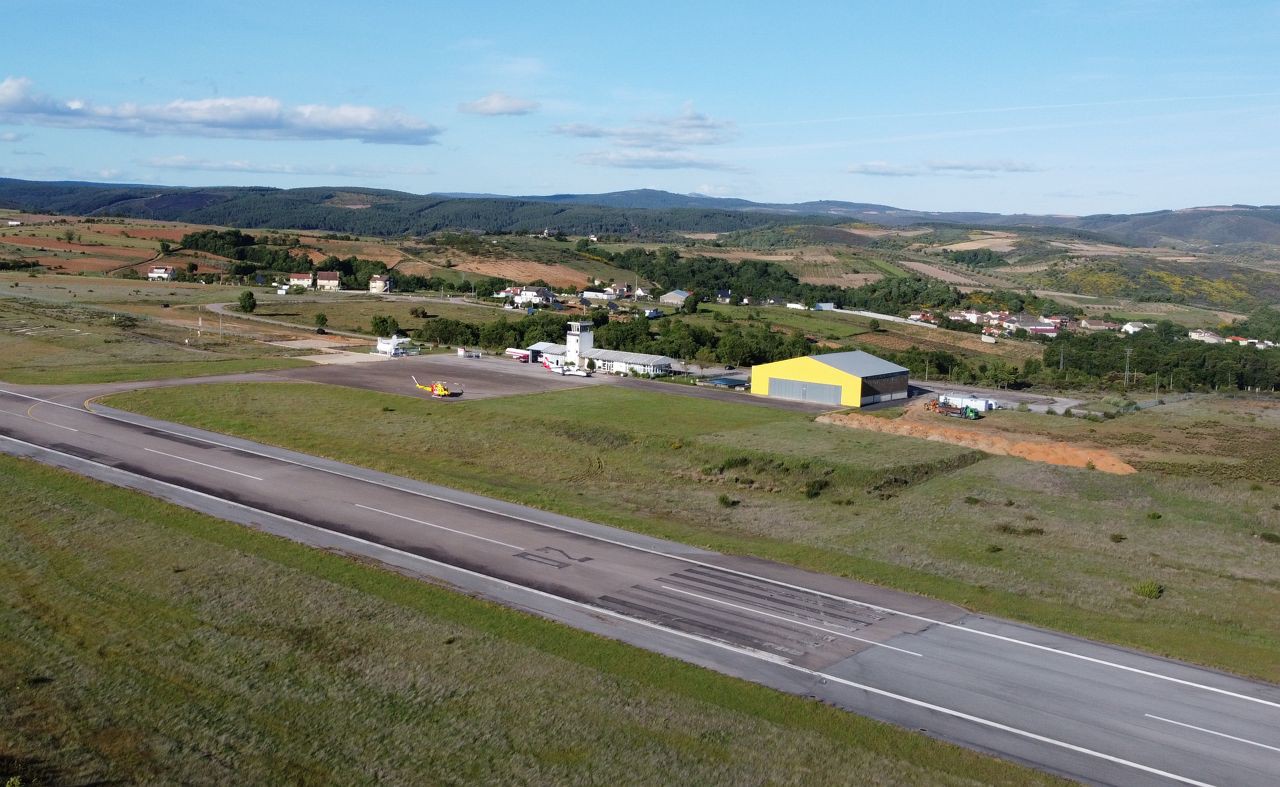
329 281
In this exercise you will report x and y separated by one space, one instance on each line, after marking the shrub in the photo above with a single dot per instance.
815 487
1117 538
994 548
1154 515
971 500
1270 538
1050 411
728 502
735 461
1149 589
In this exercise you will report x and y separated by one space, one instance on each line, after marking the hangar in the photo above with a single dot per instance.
848 379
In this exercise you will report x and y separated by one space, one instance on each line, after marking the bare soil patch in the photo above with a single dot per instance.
524 271
996 241
936 272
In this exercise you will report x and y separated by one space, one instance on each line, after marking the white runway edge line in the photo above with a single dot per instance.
755 611
692 561
762 656
202 464
1212 732
438 527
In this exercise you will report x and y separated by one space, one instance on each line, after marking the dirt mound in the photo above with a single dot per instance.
1033 450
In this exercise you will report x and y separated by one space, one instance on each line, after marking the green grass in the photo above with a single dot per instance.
83 344
892 511
355 313
141 642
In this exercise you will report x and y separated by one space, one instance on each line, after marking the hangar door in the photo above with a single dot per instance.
804 391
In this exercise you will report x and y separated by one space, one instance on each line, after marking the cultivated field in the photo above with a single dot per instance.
1053 546
143 643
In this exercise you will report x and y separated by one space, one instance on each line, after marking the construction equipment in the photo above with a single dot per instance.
966 412
438 389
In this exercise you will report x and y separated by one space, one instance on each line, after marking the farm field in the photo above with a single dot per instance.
355 312
1057 547
142 642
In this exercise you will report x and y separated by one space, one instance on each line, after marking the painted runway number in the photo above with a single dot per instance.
544 556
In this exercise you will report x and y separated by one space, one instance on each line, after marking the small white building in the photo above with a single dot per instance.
1133 327
330 281
379 283
301 280
160 273
13 223
578 353
1202 335
391 346
674 298
599 295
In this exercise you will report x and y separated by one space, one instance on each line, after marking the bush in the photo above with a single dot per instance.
815 487
1154 515
1117 538
728 502
1149 589
1270 538
248 302
993 548
971 500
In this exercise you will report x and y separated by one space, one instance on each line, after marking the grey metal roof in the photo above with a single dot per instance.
548 348
640 359
860 364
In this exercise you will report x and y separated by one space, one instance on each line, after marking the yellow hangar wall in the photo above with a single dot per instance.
810 371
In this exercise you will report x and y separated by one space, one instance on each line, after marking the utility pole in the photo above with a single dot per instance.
1128 352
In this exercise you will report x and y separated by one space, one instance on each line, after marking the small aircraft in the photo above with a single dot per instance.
437 389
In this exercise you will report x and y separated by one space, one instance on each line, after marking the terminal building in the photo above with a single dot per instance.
578 352
848 379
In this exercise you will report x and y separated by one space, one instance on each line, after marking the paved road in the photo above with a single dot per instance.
1092 712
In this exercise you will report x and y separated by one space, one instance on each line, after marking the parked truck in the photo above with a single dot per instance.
966 400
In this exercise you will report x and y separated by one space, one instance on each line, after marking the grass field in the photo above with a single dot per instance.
1028 541
50 344
355 313
141 642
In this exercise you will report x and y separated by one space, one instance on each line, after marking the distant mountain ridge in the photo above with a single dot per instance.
640 211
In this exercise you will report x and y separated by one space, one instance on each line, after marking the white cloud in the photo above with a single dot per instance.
498 103
689 128
653 159
964 169
12 136
249 117
238 165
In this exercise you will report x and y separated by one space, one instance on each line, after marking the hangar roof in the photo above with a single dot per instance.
860 364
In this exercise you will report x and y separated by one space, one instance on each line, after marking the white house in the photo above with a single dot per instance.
799 306
599 295
300 280
578 353
1201 335
328 280
674 298
379 283
15 223
1133 327
160 273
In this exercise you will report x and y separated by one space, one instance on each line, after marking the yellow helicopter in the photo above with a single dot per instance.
438 389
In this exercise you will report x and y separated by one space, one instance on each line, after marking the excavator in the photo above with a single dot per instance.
437 389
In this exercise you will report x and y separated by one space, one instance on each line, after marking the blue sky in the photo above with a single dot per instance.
1062 107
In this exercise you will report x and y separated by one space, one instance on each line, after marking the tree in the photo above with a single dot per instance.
164 247
591 364
874 325
69 235
385 325
248 302
690 304
322 319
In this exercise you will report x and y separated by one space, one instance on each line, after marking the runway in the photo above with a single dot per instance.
1087 711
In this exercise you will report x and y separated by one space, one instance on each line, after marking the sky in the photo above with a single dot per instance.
1019 107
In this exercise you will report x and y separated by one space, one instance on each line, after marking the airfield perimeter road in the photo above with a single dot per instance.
1084 710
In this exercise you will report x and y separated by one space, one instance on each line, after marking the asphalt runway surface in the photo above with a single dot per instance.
1084 710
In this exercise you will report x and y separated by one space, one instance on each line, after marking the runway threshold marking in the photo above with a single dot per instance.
439 527
758 655
755 611
1212 732
202 464
686 559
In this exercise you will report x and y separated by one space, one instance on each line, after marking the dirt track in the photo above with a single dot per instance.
1031 449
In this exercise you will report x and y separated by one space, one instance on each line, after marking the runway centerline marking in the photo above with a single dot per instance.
759 655
660 553
202 464
1212 732
439 527
755 611
46 423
